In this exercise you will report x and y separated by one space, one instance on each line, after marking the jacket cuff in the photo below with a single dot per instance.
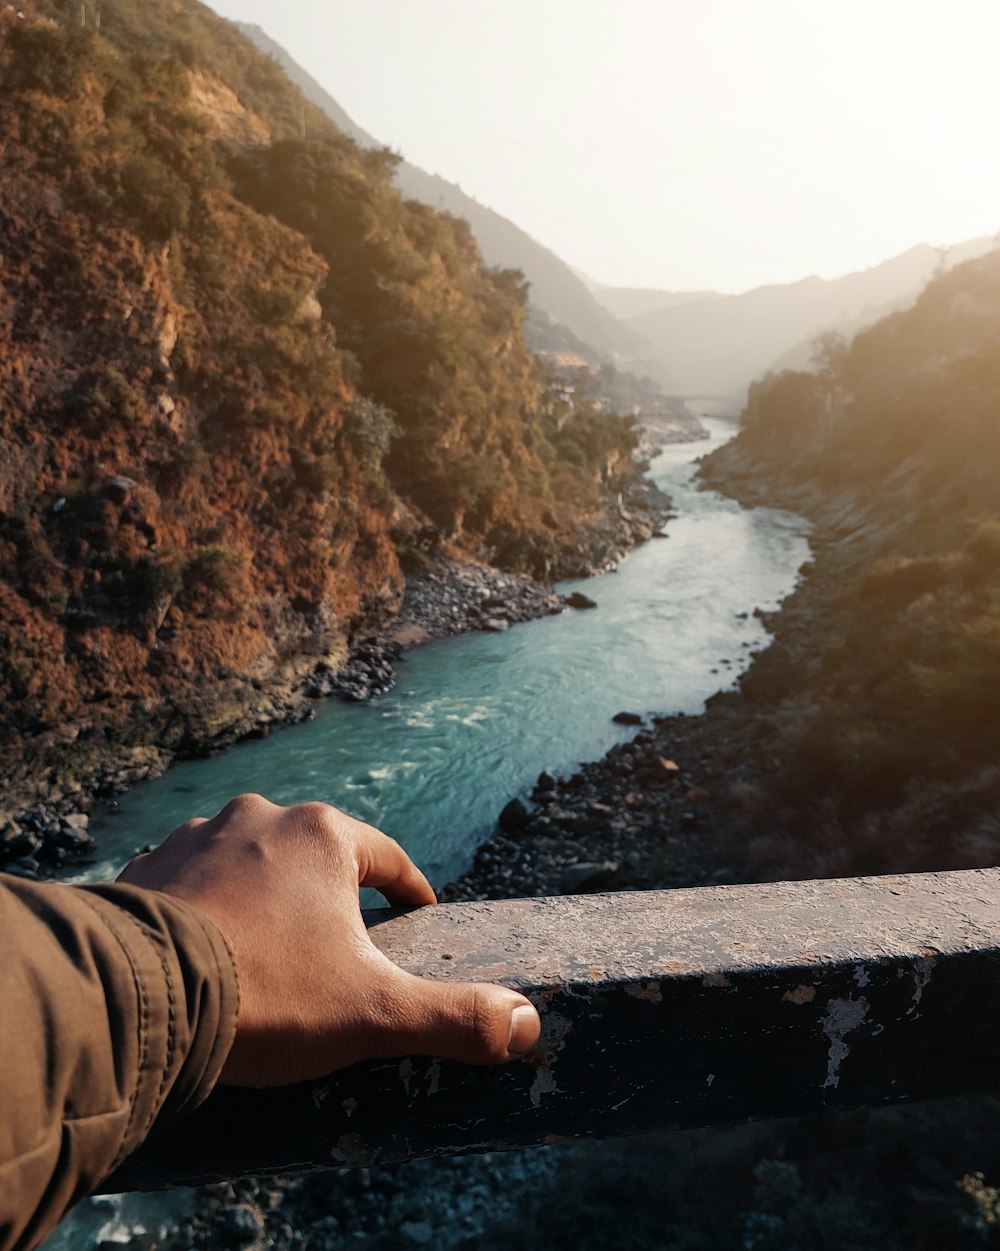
188 1002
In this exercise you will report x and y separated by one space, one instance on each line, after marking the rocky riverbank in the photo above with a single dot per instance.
640 818
443 1204
448 596
445 595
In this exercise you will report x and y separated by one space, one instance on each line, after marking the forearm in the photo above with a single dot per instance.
117 1013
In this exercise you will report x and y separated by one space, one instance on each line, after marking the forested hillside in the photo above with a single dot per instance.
878 711
240 381
554 287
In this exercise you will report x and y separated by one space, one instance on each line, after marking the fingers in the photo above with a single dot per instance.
303 1015
380 861
384 865
471 1022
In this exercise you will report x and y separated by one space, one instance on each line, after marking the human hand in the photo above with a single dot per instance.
316 995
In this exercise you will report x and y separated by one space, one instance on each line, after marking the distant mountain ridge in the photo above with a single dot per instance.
555 288
690 342
704 343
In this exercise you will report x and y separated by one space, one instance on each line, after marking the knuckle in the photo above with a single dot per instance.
242 805
391 845
318 818
316 810
189 827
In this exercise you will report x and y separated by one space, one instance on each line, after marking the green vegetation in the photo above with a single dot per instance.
438 340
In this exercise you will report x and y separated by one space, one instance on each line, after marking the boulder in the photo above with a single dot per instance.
23 866
70 837
587 876
514 816
659 772
22 843
587 826
241 1224
119 488
417 1233
627 718
578 600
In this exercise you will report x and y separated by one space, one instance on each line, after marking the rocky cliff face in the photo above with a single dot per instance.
160 576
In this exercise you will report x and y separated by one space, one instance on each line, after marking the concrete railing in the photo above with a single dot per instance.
661 1010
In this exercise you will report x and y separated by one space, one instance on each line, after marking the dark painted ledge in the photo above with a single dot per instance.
661 1010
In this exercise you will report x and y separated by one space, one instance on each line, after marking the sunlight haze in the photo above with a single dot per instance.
721 145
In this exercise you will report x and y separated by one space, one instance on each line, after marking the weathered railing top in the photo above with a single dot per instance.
660 1010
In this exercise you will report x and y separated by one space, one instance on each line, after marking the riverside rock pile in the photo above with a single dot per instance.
457 597
368 673
452 597
43 836
38 841
634 820
637 513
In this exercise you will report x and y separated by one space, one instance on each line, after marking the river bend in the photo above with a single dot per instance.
474 719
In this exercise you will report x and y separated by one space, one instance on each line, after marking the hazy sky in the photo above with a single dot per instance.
681 143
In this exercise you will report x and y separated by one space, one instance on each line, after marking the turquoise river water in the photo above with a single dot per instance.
474 719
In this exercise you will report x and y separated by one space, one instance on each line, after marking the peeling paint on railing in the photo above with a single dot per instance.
660 1010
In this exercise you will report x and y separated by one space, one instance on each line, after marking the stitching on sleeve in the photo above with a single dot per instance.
171 1039
211 931
143 1028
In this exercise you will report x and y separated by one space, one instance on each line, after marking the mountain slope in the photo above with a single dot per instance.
555 288
628 303
240 381
874 723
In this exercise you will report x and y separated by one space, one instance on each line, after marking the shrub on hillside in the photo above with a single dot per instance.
212 578
156 199
102 398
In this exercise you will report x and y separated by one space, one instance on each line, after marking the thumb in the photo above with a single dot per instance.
472 1022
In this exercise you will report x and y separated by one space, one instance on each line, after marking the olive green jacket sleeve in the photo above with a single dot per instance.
117 1012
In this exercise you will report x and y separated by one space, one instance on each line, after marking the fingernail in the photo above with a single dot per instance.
524 1027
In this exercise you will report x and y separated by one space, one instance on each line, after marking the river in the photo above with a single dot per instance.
474 719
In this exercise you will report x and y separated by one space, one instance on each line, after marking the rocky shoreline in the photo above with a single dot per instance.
455 596
642 817
447 595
